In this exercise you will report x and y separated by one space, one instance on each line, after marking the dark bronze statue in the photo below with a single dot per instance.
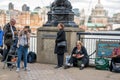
61 12
64 4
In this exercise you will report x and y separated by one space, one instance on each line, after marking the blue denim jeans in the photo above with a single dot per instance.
22 51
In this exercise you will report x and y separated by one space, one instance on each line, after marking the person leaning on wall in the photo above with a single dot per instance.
60 45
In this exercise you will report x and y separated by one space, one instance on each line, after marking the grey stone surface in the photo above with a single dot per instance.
47 72
46 43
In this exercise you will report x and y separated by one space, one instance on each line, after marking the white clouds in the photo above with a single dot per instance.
110 5
18 3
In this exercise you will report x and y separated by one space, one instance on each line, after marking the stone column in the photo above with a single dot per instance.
46 43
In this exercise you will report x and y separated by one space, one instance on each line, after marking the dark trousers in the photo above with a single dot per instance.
114 60
83 60
60 59
5 53
73 61
1 51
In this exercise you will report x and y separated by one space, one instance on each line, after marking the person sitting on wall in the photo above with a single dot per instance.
79 57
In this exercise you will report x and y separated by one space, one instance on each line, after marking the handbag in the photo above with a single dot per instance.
61 44
26 46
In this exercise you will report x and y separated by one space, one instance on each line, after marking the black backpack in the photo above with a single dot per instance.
116 67
115 64
31 58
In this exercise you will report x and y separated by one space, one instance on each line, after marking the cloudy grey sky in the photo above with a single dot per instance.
112 6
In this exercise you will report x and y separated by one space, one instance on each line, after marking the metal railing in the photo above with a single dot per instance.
90 40
33 43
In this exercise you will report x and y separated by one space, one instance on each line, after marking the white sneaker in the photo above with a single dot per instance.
18 69
82 65
69 64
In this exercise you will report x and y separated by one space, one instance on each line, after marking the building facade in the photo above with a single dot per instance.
116 18
98 19
2 18
99 14
11 6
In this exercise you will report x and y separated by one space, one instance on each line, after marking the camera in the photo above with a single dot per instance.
25 32
27 46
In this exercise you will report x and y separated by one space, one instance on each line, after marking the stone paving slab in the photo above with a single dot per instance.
6 74
47 72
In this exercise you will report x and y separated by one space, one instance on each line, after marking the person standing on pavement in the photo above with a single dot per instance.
60 45
9 33
23 45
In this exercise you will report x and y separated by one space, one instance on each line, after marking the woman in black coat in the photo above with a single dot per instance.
59 48
79 56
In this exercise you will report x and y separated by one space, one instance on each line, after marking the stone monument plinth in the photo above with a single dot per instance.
46 43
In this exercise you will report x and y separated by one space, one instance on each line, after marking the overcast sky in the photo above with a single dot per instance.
112 6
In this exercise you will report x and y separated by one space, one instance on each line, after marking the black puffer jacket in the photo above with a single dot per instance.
8 33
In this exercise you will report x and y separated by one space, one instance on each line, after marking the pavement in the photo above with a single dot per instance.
47 72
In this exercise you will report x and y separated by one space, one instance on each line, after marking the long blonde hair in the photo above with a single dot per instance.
79 42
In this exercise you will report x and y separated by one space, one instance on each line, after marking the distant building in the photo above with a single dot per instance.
37 9
25 8
116 18
44 12
77 15
35 20
25 18
82 17
28 8
2 18
76 12
116 26
99 15
10 6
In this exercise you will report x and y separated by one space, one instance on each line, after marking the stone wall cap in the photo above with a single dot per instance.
55 29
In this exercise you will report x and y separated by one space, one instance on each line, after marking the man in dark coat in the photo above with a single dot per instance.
9 31
60 50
